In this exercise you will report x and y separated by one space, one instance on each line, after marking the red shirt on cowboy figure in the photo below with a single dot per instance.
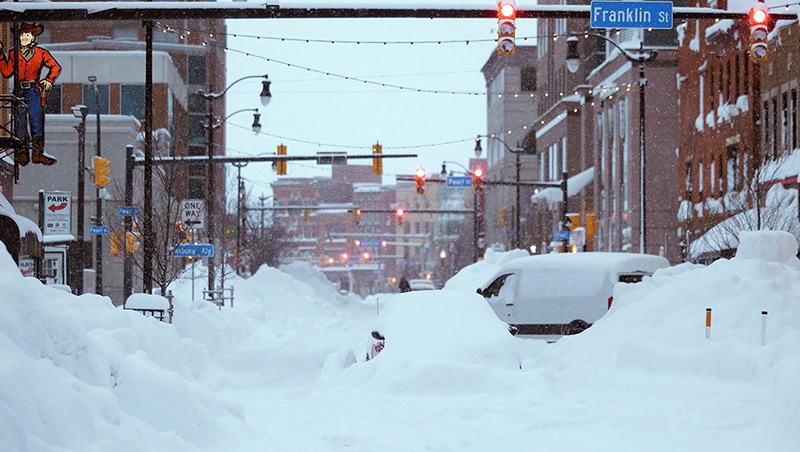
31 88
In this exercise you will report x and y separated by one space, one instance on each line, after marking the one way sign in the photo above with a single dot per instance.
193 212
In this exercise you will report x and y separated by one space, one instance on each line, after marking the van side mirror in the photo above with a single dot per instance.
480 292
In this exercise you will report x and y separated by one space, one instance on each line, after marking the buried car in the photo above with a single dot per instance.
558 294
433 325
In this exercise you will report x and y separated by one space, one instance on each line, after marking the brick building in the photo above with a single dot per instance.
739 129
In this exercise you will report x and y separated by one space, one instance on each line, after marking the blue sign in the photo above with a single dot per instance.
188 250
98 230
370 243
562 235
128 211
458 182
630 14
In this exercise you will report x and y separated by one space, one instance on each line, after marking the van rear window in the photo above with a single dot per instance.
631 278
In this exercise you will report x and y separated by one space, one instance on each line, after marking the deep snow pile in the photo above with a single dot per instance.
472 276
77 374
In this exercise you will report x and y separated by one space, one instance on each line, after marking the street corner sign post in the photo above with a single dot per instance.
57 207
630 14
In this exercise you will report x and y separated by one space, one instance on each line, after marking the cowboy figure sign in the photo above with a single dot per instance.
32 89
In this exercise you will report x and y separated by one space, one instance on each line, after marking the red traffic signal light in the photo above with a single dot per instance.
357 216
759 15
506 27
419 174
477 180
759 32
399 213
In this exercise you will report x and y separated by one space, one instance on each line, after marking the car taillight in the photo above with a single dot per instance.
610 300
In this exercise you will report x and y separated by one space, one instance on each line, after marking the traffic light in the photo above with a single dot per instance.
759 33
131 244
101 171
574 220
477 180
399 213
280 165
502 217
306 215
116 243
183 237
377 162
365 256
506 27
419 175
357 216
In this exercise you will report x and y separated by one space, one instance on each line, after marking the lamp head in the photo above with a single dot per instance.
256 123
265 95
80 111
478 148
573 59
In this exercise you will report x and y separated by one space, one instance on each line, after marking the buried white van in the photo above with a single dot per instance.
557 294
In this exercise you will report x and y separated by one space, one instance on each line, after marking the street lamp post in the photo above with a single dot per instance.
519 150
80 112
642 57
475 225
240 267
210 125
98 256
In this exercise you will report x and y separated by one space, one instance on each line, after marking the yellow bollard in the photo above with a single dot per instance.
708 323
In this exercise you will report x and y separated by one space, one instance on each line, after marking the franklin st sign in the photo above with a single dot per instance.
629 14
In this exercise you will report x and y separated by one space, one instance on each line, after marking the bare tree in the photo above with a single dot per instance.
762 204
166 216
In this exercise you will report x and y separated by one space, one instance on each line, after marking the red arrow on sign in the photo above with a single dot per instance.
55 207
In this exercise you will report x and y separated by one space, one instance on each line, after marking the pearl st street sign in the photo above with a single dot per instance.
458 182
630 14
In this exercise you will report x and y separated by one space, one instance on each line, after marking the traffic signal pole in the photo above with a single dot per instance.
98 213
127 269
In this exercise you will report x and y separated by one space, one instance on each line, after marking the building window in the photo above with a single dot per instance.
687 185
197 70
53 103
700 180
733 168
712 178
528 79
765 119
793 124
712 88
736 77
775 127
132 100
197 181
89 98
785 123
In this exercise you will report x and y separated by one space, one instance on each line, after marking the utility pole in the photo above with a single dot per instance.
98 213
239 219
127 269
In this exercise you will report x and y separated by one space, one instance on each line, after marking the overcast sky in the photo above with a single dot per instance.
308 106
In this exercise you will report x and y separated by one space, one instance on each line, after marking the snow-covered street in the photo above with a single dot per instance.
272 373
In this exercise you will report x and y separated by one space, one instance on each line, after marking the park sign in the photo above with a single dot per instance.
630 14
57 207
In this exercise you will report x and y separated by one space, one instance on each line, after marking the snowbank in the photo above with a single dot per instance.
473 275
